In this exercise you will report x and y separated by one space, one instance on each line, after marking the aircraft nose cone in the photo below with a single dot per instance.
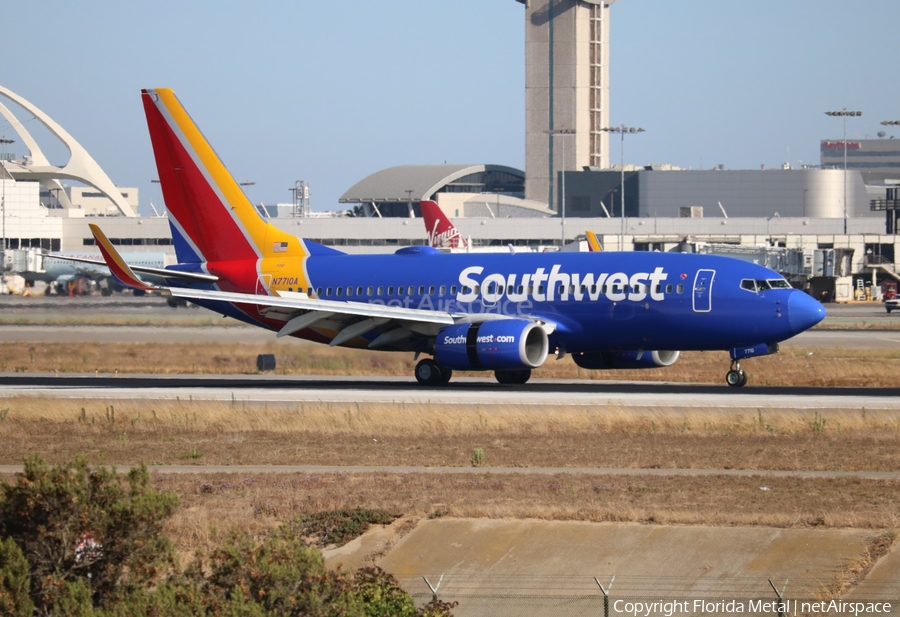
804 312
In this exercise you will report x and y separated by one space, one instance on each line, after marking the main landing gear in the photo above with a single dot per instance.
513 376
736 377
428 373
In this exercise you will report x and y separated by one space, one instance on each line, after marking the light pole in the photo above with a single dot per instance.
562 205
843 114
3 142
622 130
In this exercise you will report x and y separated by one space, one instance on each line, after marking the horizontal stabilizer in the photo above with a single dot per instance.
160 272
117 266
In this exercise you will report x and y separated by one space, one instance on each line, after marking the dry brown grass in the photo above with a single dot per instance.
197 432
215 503
189 432
373 434
792 366
854 571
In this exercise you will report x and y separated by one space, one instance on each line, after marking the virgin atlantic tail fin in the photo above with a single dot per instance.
441 231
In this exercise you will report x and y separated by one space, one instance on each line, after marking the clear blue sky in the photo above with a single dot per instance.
330 92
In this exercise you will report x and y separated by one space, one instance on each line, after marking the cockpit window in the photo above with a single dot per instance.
759 285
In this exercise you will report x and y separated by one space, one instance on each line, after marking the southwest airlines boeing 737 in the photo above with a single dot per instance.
505 313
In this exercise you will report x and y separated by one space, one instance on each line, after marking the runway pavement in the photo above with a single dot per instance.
864 326
465 391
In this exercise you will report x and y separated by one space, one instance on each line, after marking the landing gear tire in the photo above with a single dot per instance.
736 377
428 373
513 377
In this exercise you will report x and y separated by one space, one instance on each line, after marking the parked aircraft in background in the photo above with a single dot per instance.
593 242
442 233
63 269
469 311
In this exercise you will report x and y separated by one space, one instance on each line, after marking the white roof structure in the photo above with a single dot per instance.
81 167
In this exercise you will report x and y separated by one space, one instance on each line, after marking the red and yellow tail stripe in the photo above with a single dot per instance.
209 208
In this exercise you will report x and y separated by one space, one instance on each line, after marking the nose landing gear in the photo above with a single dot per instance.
736 377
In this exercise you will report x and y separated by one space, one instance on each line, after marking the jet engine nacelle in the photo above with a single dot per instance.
495 344
625 359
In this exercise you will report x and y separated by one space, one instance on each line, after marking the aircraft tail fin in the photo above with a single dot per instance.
442 233
211 217
593 242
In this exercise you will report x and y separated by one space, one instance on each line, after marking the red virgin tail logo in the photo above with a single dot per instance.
441 232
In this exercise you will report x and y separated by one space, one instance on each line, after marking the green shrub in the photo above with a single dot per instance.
86 542
88 525
282 575
14 585
381 594
339 526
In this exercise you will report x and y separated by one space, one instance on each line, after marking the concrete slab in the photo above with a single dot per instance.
882 582
504 567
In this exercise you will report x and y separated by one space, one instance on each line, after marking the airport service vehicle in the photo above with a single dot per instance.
500 312
889 296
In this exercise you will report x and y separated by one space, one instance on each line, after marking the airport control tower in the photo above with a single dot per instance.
566 90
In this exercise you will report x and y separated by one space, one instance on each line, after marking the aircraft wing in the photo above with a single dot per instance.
298 311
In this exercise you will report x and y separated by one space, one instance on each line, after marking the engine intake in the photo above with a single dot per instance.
625 359
491 345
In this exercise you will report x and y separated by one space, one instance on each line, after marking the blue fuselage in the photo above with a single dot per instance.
597 301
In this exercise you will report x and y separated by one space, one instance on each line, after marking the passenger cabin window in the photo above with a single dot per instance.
328 291
669 288
359 291
431 290
453 290
391 290
443 290
368 291
679 289
381 290
318 292
421 290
